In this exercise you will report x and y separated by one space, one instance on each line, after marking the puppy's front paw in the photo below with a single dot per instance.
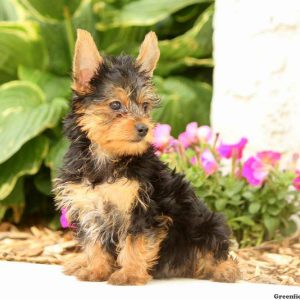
123 277
86 274
227 271
77 266
74 264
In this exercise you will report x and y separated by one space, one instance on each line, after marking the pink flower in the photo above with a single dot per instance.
207 161
269 157
162 136
204 134
233 150
257 168
194 134
193 160
63 219
184 140
174 144
296 181
189 136
254 171
191 131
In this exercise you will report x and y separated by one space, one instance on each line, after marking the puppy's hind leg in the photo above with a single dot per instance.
213 260
207 267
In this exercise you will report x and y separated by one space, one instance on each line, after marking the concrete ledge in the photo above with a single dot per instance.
32 281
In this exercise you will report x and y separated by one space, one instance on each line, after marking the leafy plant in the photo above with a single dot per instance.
257 197
36 48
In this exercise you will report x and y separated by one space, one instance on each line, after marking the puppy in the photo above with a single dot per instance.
134 217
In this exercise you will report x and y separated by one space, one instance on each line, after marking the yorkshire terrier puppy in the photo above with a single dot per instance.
134 217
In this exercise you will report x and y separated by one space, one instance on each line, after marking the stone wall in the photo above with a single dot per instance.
257 73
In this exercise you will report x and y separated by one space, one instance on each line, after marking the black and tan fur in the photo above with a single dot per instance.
134 217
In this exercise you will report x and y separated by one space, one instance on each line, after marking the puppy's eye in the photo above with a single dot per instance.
145 106
115 105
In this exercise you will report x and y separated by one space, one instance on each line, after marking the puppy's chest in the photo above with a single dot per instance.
103 212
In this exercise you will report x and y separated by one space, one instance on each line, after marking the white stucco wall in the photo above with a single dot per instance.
257 73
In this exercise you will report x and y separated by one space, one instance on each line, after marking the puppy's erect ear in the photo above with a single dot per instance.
86 61
149 53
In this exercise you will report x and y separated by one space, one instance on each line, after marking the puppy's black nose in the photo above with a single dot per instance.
141 129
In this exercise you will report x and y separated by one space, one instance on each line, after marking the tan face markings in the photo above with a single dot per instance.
144 95
114 136
122 96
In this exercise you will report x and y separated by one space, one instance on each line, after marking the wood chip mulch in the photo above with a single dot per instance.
272 262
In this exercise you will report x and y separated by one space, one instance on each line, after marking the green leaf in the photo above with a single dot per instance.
56 9
15 95
271 223
183 101
3 210
55 39
84 18
15 201
55 156
290 228
20 44
245 220
254 208
220 204
230 215
197 62
54 224
25 114
8 10
148 12
235 200
184 49
26 161
53 86
114 41
272 200
233 187
42 182
274 210
248 195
